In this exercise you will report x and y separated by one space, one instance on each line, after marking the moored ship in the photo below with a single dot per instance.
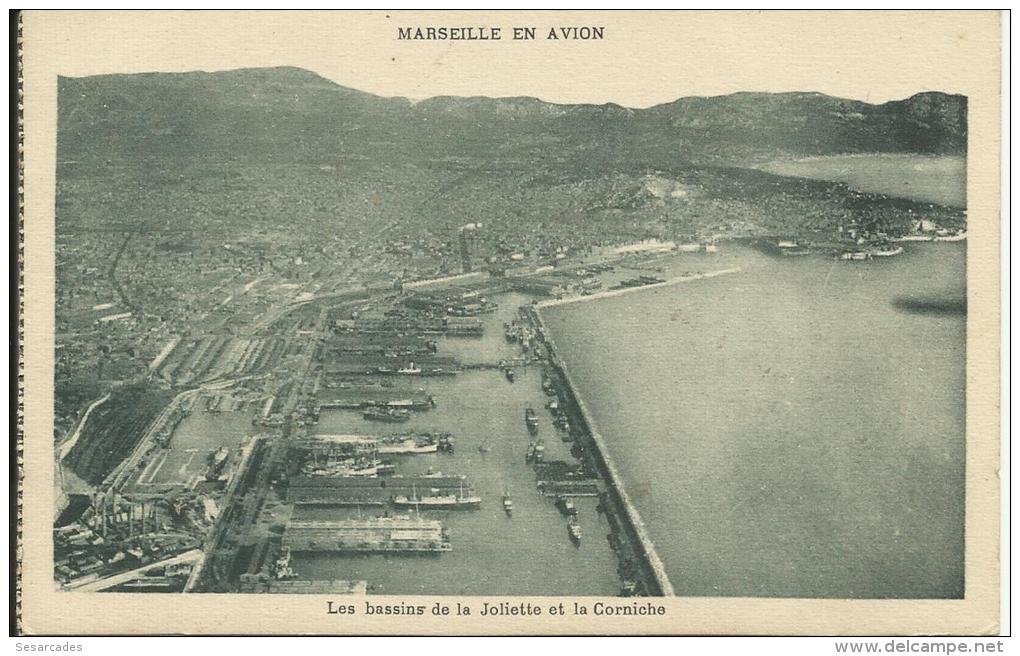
566 506
887 251
574 531
343 468
640 281
391 415
785 247
531 420
401 445
282 569
217 461
401 534
437 499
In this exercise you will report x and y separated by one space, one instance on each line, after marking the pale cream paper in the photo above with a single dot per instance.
646 57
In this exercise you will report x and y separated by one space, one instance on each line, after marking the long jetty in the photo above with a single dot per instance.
633 518
609 293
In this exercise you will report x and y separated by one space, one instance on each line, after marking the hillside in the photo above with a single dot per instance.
193 200
287 113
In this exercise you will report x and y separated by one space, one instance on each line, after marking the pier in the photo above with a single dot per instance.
365 491
379 535
634 524
609 293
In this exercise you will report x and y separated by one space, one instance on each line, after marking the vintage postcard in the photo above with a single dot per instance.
510 323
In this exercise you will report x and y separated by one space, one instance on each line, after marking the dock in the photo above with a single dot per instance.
373 396
634 524
377 345
377 535
610 293
318 586
355 491
357 365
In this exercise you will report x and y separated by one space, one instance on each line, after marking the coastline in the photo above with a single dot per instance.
612 476
610 293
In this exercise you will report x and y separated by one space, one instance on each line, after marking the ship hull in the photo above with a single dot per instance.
424 504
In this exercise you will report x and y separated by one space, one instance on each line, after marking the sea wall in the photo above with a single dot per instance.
632 522
610 293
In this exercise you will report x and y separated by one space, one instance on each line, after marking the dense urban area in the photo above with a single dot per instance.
206 268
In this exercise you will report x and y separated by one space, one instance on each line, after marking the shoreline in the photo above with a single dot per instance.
65 447
612 476
610 293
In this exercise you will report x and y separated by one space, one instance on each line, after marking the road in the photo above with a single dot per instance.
192 556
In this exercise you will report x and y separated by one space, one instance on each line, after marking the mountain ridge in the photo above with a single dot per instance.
255 73
288 113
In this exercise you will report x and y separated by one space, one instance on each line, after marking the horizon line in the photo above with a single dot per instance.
414 100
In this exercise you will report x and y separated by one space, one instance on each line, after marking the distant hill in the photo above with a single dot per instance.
285 147
282 114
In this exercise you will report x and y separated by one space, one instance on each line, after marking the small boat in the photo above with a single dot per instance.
508 504
566 506
888 251
387 414
539 452
530 456
531 420
510 375
574 531
282 570
409 370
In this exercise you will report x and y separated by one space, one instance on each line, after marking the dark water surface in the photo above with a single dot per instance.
795 429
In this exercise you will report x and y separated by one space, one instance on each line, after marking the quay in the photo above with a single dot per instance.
366 396
377 345
633 523
382 366
322 586
379 535
609 293
365 491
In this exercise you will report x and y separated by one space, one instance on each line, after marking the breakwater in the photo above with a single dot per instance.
634 526
609 293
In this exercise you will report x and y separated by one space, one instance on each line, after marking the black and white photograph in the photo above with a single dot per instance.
314 335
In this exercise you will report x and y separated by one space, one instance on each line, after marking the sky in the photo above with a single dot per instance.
646 58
